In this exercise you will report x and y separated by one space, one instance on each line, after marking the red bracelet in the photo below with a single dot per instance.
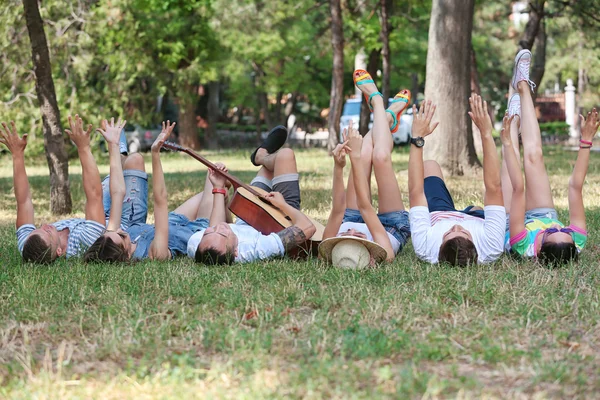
220 191
585 142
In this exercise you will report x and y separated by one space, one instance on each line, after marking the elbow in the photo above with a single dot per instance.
518 188
575 186
309 230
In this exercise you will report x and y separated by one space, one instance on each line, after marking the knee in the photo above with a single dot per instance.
534 156
381 157
432 168
134 161
286 156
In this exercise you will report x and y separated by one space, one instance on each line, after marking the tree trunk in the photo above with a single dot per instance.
278 108
210 140
536 14
365 113
336 97
448 85
188 133
54 143
539 56
385 50
476 89
415 87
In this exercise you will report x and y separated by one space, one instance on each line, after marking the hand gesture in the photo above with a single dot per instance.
112 131
421 125
589 125
276 199
479 114
354 141
164 135
340 151
80 137
10 138
505 132
218 180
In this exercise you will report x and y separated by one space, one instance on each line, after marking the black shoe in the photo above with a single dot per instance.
273 142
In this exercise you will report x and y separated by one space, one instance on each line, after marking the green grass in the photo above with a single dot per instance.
298 329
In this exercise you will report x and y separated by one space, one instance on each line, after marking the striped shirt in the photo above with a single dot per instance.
82 234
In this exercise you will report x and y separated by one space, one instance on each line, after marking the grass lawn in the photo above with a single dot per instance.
298 329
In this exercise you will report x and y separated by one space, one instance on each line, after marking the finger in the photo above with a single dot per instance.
25 137
68 131
6 131
124 123
414 107
485 109
100 131
14 127
89 129
79 122
434 126
470 114
112 121
70 121
431 112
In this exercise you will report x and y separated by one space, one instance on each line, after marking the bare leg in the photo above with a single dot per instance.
538 192
279 163
432 168
366 157
506 184
198 206
133 161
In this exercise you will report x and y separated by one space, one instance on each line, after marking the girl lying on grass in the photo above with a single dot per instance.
534 229
356 235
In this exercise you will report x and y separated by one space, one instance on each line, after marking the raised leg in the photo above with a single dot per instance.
198 206
537 185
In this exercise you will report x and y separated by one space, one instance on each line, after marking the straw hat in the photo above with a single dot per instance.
351 252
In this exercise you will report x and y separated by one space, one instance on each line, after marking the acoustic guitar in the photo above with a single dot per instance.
248 203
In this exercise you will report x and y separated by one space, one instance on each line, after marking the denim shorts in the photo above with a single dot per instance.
439 198
135 203
394 222
535 213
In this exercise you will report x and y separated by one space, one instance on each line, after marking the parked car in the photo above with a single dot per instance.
351 112
139 138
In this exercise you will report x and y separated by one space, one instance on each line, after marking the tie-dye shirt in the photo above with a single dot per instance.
524 243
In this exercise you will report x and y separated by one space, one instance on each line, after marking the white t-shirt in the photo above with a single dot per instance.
363 228
252 245
427 230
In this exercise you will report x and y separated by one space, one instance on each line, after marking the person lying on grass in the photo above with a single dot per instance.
356 235
225 243
168 236
534 229
440 232
69 237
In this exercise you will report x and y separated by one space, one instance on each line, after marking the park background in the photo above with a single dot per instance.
227 71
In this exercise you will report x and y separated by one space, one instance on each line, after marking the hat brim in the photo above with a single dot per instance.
377 251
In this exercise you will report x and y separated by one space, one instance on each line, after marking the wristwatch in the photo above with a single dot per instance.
418 141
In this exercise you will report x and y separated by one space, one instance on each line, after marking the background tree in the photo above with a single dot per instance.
336 99
54 143
448 84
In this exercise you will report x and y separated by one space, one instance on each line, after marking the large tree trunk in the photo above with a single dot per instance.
536 13
539 56
448 85
476 89
336 97
54 144
188 133
385 50
365 113
210 140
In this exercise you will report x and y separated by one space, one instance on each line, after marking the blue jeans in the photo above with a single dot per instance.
395 223
439 198
535 213
135 203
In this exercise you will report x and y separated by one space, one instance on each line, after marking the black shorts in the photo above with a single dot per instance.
290 190
439 198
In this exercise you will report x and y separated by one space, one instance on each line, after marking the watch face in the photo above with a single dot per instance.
418 141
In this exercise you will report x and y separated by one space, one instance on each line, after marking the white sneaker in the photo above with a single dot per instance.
521 69
514 105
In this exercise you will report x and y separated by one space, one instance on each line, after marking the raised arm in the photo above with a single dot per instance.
112 133
219 210
363 200
338 204
589 128
491 164
16 145
302 228
517 206
421 128
92 186
159 248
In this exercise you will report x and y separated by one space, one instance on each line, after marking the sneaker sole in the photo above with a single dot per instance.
518 57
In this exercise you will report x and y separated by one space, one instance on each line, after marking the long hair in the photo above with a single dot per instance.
106 250
35 250
458 251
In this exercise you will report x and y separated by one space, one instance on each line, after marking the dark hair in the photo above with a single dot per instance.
212 256
105 249
36 250
458 251
554 254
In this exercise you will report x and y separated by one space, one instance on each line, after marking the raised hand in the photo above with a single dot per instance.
276 199
80 137
589 125
422 126
479 114
341 150
354 142
167 128
10 138
505 132
112 131
218 180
